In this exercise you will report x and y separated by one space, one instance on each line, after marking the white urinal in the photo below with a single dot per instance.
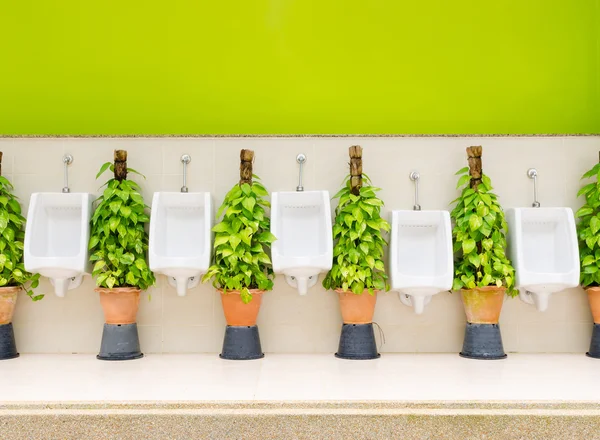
301 222
544 252
57 233
420 256
180 237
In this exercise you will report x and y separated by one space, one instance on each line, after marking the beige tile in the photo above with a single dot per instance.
201 169
195 308
440 338
577 337
88 157
292 338
312 323
284 305
398 338
510 336
143 155
46 311
510 310
38 156
151 184
151 338
187 339
26 184
576 306
7 149
275 163
542 337
77 300
150 311
81 337
46 337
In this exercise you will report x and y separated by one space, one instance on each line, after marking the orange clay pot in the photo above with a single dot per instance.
483 304
8 300
236 312
120 304
594 299
357 309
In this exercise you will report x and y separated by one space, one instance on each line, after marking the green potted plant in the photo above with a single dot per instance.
482 271
241 269
358 271
588 231
118 245
13 276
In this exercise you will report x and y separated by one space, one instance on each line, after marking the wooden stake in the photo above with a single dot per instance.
120 165
1 163
475 170
355 152
246 159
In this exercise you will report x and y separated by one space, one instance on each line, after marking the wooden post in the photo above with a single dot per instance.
475 170
1 163
120 165
355 169
246 159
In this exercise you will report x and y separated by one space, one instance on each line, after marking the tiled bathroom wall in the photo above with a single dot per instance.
289 322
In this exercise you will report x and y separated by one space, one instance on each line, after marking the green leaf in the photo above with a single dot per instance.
103 168
221 227
475 222
94 240
462 171
3 220
125 211
475 260
486 181
468 246
131 170
99 266
583 211
586 189
463 181
588 260
220 240
249 203
594 224
14 205
348 219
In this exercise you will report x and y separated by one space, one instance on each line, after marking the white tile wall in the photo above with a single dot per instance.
289 322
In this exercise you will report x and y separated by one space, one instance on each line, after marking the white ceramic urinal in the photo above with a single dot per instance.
544 252
301 222
180 237
56 238
420 256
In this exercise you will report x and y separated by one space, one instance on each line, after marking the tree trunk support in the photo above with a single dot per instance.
120 165
246 159
355 169
475 170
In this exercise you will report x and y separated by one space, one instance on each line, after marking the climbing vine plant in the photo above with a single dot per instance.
12 269
240 261
588 229
118 241
358 252
479 238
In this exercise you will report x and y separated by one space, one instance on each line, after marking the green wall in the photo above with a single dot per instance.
299 66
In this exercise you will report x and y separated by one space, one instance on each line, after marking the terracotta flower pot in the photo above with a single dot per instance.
236 312
483 304
594 299
8 300
357 309
120 304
